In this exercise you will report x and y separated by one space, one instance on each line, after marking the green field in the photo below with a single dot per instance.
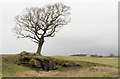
10 69
111 61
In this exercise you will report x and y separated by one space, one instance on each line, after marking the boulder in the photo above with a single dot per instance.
52 65
32 62
38 64
45 65
23 59
42 63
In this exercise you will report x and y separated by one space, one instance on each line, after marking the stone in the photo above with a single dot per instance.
32 62
52 65
38 64
41 63
23 58
45 65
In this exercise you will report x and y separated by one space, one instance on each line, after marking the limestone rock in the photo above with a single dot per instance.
42 63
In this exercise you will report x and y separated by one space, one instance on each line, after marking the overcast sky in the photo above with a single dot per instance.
93 28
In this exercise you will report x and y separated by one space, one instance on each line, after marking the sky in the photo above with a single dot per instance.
93 28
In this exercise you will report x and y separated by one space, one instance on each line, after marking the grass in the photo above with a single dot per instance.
9 69
105 60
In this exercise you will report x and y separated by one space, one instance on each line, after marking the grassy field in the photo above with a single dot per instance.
9 69
105 60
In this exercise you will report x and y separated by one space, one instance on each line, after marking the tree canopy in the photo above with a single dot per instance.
38 23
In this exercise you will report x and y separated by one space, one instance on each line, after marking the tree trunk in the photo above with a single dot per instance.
39 47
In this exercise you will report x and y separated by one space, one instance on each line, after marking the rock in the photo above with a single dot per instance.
23 60
52 65
42 63
45 65
67 65
32 62
38 64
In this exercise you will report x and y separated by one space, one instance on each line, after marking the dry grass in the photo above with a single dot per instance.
100 71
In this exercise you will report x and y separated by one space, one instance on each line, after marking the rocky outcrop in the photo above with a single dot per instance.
42 63
38 62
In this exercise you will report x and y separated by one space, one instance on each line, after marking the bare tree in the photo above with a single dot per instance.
38 23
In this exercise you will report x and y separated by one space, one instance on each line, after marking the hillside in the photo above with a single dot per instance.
110 61
93 67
